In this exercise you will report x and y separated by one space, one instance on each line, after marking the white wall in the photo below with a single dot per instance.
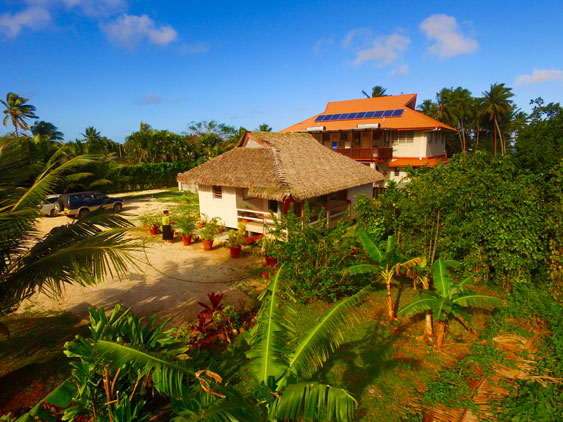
352 194
225 208
416 149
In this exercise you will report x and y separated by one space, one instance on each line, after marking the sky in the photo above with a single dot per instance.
112 64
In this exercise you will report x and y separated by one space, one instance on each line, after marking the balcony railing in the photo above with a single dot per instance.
376 153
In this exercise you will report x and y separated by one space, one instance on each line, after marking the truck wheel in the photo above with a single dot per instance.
117 207
83 212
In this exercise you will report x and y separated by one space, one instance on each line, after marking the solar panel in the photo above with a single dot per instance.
320 118
369 114
398 112
354 115
388 113
361 115
344 116
336 116
378 113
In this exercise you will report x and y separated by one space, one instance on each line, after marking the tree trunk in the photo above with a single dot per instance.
428 330
390 310
441 334
495 133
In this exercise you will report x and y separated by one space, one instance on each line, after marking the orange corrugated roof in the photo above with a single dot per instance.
410 120
416 162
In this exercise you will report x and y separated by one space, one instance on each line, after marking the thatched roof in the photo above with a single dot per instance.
280 165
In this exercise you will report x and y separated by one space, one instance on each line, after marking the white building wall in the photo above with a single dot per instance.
225 208
416 149
353 193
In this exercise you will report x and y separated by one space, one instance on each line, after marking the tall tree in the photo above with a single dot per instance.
17 111
264 128
497 103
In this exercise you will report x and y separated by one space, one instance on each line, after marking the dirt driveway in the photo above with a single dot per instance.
170 281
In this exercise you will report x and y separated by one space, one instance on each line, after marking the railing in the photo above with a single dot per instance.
263 217
377 153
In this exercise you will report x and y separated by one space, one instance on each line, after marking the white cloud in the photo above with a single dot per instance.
448 40
401 70
198 48
320 44
130 30
93 8
150 98
11 25
539 76
383 50
354 34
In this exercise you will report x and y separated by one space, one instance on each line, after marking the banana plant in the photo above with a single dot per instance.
388 264
284 362
448 301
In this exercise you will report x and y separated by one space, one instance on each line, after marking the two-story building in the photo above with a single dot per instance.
385 133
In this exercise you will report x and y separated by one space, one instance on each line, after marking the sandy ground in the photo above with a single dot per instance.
170 283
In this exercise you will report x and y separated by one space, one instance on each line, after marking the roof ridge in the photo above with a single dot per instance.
279 169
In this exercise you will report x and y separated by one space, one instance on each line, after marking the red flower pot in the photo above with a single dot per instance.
207 245
187 239
145 228
154 229
271 262
235 251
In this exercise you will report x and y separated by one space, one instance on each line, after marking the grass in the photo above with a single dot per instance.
32 362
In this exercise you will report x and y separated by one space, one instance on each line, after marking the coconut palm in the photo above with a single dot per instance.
461 100
84 252
378 91
264 128
448 301
497 104
46 131
428 107
17 111
388 264
284 376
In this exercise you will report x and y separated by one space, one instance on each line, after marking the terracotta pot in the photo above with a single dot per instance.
207 244
271 262
245 220
221 229
154 230
199 224
187 239
145 228
235 251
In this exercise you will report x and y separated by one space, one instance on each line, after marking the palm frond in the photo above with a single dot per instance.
267 353
100 182
82 253
77 177
61 396
418 306
314 401
477 300
314 348
170 377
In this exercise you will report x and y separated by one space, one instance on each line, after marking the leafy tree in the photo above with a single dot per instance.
429 108
84 252
389 262
448 301
46 131
284 362
17 111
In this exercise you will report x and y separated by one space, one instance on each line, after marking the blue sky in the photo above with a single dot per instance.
115 63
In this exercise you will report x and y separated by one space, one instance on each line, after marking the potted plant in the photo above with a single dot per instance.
236 240
208 233
269 248
187 226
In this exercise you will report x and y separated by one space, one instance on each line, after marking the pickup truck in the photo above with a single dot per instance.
81 203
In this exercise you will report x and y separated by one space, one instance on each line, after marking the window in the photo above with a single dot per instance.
403 137
217 192
356 140
397 172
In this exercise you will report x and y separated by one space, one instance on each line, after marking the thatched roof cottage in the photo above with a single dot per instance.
271 171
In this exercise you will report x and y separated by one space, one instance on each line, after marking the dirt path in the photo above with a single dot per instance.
171 283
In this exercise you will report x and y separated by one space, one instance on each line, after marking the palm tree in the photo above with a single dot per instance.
461 100
497 104
378 91
449 299
428 107
388 263
264 128
84 252
47 131
17 111
286 375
